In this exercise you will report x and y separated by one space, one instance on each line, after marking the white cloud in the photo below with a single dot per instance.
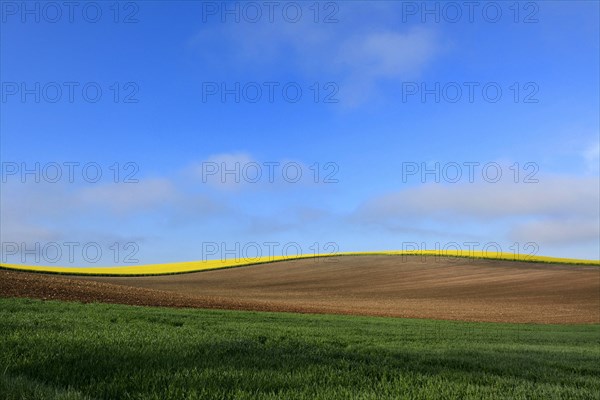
358 56
591 156
375 58
127 197
45 212
231 173
12 230
555 197
556 212
225 171
386 54
557 231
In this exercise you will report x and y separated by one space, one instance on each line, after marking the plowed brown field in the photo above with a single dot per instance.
399 286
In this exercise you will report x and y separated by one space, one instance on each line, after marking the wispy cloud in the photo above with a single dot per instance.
367 61
558 231
44 211
124 198
357 55
591 156
554 197
557 211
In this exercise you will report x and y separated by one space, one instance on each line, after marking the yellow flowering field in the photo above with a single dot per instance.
193 266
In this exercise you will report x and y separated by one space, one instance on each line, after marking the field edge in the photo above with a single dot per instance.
212 265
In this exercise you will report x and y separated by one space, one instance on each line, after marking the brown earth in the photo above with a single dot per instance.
414 287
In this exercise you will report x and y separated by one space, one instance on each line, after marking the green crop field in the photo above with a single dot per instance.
58 350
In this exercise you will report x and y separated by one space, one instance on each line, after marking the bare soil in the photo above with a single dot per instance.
397 286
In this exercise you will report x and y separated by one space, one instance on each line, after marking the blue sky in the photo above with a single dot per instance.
169 63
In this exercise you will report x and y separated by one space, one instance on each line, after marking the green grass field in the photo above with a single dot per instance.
56 350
